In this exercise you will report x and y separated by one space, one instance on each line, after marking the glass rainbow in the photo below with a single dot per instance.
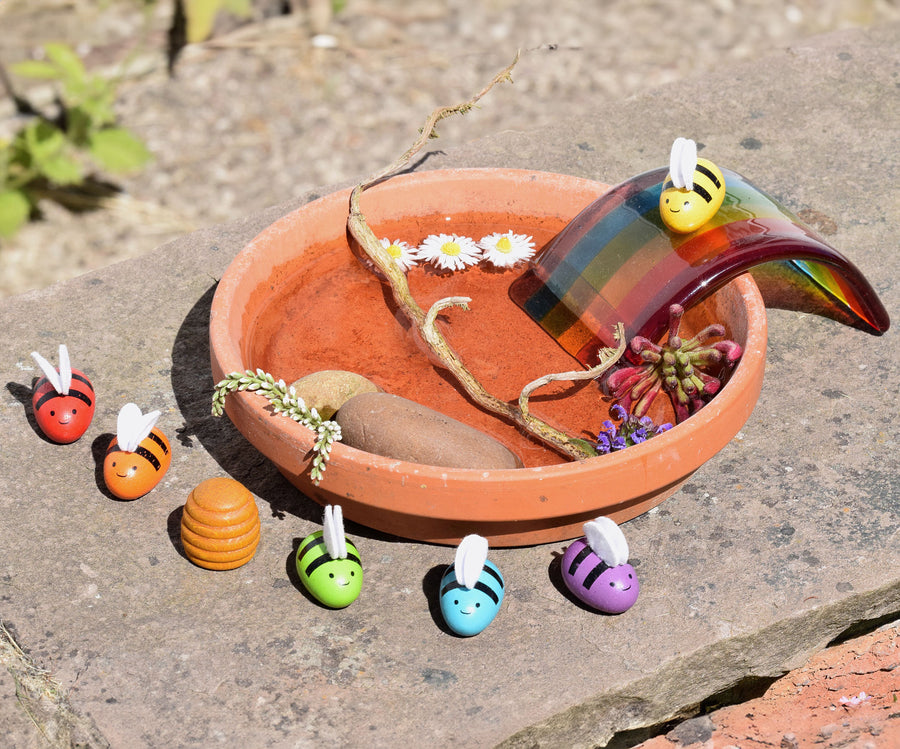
617 261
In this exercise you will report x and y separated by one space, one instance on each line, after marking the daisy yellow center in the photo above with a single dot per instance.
504 245
395 251
451 248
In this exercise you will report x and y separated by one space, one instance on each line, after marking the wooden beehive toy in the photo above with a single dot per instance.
220 525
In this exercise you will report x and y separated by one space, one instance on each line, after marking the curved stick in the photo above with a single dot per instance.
425 322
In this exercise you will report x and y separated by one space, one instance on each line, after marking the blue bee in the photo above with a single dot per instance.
471 588
328 563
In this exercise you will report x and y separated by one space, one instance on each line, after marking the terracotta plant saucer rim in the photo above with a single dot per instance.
674 454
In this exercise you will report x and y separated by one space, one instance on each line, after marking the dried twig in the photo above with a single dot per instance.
425 322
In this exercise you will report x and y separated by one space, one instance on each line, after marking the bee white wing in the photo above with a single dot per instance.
682 163
471 554
132 426
607 541
65 369
333 532
50 372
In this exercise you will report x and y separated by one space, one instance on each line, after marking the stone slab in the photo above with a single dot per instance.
783 541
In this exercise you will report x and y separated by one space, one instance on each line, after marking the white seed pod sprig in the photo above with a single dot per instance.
283 400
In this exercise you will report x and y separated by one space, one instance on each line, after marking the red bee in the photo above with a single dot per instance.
63 399
138 456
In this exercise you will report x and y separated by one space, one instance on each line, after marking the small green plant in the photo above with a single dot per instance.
57 152
201 15
284 400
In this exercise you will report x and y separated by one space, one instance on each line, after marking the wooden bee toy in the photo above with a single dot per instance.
693 190
471 588
138 456
596 570
63 399
328 563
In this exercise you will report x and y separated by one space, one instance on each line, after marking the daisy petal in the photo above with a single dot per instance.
506 249
402 254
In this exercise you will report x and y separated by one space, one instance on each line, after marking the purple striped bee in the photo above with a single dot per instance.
596 570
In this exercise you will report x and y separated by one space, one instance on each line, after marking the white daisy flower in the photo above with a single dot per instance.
449 251
404 255
505 250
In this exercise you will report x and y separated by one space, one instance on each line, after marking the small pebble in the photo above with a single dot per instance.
328 390
395 427
826 731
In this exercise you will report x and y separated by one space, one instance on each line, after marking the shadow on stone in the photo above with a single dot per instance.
98 453
173 528
865 627
431 584
694 723
193 387
23 393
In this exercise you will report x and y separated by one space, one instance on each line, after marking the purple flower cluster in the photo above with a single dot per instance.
631 431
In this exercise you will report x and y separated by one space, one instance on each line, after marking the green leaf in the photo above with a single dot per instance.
35 69
78 126
43 140
98 105
61 169
118 150
239 8
200 17
14 211
66 59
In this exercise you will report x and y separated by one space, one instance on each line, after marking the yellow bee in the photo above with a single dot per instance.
693 191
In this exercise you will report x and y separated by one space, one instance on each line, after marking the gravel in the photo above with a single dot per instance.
268 109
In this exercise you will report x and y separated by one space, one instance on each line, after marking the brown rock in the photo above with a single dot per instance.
328 390
395 427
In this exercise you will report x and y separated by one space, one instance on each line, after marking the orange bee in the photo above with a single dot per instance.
138 456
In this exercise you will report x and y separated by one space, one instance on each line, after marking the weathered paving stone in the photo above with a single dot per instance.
395 427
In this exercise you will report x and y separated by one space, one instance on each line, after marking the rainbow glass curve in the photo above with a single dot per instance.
617 261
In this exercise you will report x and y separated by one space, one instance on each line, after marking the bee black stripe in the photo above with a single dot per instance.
702 193
148 456
50 395
496 575
483 587
710 175
595 573
81 396
158 440
579 558
488 591
85 380
324 559
320 541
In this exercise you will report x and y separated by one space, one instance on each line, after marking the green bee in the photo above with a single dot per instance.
328 563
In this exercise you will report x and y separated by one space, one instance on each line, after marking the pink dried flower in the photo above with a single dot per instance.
675 367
